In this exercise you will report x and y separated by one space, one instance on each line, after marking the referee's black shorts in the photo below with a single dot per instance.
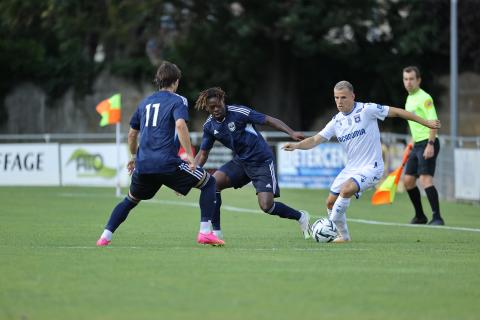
417 165
182 180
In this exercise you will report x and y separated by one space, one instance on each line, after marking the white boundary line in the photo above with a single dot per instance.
326 248
238 209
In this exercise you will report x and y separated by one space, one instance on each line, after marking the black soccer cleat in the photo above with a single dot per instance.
436 222
419 220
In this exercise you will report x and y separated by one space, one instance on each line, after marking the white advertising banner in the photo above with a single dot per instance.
467 177
29 164
314 168
93 164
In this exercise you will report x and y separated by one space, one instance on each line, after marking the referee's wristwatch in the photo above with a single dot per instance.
431 142
133 157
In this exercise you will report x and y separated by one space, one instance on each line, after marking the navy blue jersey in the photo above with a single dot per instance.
237 132
155 118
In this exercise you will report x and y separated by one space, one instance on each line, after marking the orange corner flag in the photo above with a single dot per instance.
110 110
385 194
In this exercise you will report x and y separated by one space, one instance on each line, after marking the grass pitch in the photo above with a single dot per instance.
51 269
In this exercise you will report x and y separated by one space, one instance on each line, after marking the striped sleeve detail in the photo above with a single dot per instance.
245 111
184 100
207 121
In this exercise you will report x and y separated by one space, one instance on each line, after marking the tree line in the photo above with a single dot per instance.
285 54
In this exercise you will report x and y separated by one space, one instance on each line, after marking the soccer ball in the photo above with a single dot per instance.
323 230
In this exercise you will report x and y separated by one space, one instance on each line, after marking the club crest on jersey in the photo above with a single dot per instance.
428 104
231 126
357 118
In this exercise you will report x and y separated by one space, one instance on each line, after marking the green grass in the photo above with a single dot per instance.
51 269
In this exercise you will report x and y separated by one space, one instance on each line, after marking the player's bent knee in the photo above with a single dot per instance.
409 181
426 181
266 206
207 181
130 197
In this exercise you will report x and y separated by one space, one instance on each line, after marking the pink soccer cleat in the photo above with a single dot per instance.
102 242
209 238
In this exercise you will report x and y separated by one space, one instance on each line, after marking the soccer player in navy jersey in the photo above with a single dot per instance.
160 120
356 128
234 127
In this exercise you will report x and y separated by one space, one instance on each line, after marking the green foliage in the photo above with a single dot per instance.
237 45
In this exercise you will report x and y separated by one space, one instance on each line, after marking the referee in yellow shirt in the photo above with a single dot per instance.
421 163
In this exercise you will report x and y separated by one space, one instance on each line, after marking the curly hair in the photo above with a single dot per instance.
215 92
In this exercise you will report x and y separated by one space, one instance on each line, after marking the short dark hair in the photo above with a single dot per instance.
215 92
167 74
414 69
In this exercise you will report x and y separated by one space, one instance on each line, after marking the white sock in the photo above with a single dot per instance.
342 227
329 213
338 215
107 234
218 234
206 227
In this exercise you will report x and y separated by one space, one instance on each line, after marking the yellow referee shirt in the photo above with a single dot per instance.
420 103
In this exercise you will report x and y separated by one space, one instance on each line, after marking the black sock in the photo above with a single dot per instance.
414 195
284 211
432 196
119 214
216 213
207 200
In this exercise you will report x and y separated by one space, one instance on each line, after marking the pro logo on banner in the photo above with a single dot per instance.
93 164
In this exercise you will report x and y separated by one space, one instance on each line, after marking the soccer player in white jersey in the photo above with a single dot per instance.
356 128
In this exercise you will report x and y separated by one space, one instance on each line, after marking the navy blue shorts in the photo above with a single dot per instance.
182 180
262 175
417 165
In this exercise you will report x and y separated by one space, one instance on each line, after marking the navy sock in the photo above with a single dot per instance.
432 196
414 195
207 200
119 214
284 211
216 213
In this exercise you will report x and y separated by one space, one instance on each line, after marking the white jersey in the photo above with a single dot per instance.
358 133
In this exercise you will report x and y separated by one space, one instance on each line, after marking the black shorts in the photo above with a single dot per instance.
417 165
262 175
182 180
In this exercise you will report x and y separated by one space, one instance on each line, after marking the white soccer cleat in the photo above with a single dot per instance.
304 222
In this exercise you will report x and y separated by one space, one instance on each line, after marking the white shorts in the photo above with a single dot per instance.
365 178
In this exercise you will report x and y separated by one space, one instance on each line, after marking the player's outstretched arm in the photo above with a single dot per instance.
132 141
281 126
398 112
184 137
201 157
306 144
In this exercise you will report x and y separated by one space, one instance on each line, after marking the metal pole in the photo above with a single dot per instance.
118 191
453 72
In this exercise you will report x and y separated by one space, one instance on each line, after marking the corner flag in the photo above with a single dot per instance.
110 110
385 194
